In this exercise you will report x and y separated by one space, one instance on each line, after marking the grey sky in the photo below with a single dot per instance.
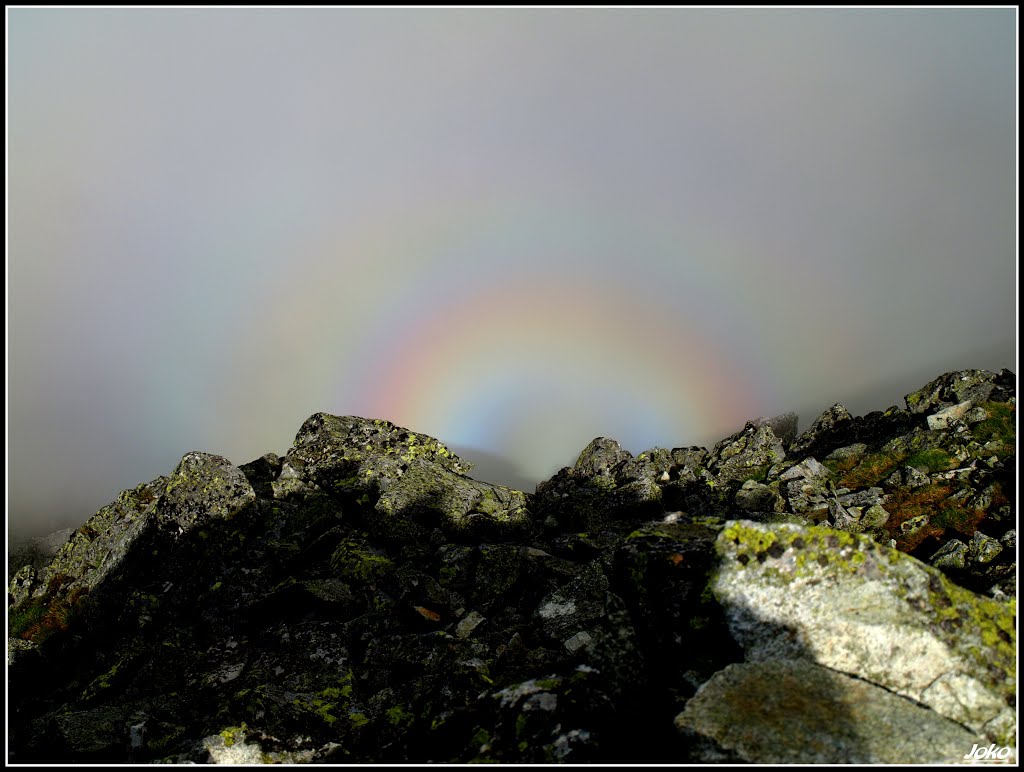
513 229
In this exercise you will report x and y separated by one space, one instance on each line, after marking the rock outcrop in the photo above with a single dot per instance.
845 595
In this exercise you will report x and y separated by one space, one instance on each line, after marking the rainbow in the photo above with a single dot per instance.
535 353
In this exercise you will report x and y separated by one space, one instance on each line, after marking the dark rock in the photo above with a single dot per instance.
826 428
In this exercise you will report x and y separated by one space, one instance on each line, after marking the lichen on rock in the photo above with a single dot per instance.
848 603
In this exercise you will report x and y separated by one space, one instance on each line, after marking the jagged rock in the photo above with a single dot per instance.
962 386
662 572
947 417
469 623
797 712
869 497
750 451
411 481
571 610
984 549
693 457
601 458
850 604
605 486
551 718
262 473
952 555
909 477
830 423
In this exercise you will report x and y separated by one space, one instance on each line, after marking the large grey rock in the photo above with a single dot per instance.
601 458
796 712
203 486
852 605
749 451
411 481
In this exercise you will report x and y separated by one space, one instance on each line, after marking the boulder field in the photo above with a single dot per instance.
844 595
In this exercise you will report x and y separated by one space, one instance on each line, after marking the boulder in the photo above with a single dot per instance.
797 712
748 452
850 604
409 481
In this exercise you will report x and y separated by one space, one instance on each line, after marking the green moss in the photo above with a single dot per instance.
358 719
481 737
399 716
234 734
488 503
355 562
520 724
991 620
962 519
998 427
753 538
24 618
42 618
932 460
819 547
757 474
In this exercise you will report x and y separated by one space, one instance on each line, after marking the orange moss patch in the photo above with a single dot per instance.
943 514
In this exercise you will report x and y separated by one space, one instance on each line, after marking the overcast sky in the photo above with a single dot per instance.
514 230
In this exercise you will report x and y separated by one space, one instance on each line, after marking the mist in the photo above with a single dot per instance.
512 229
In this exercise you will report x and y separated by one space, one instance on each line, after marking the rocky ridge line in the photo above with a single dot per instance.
362 599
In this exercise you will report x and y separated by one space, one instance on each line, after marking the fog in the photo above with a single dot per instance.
514 230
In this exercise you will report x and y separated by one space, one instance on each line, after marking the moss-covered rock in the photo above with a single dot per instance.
203 486
410 482
870 611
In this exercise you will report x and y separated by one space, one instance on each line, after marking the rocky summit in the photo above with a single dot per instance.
844 595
